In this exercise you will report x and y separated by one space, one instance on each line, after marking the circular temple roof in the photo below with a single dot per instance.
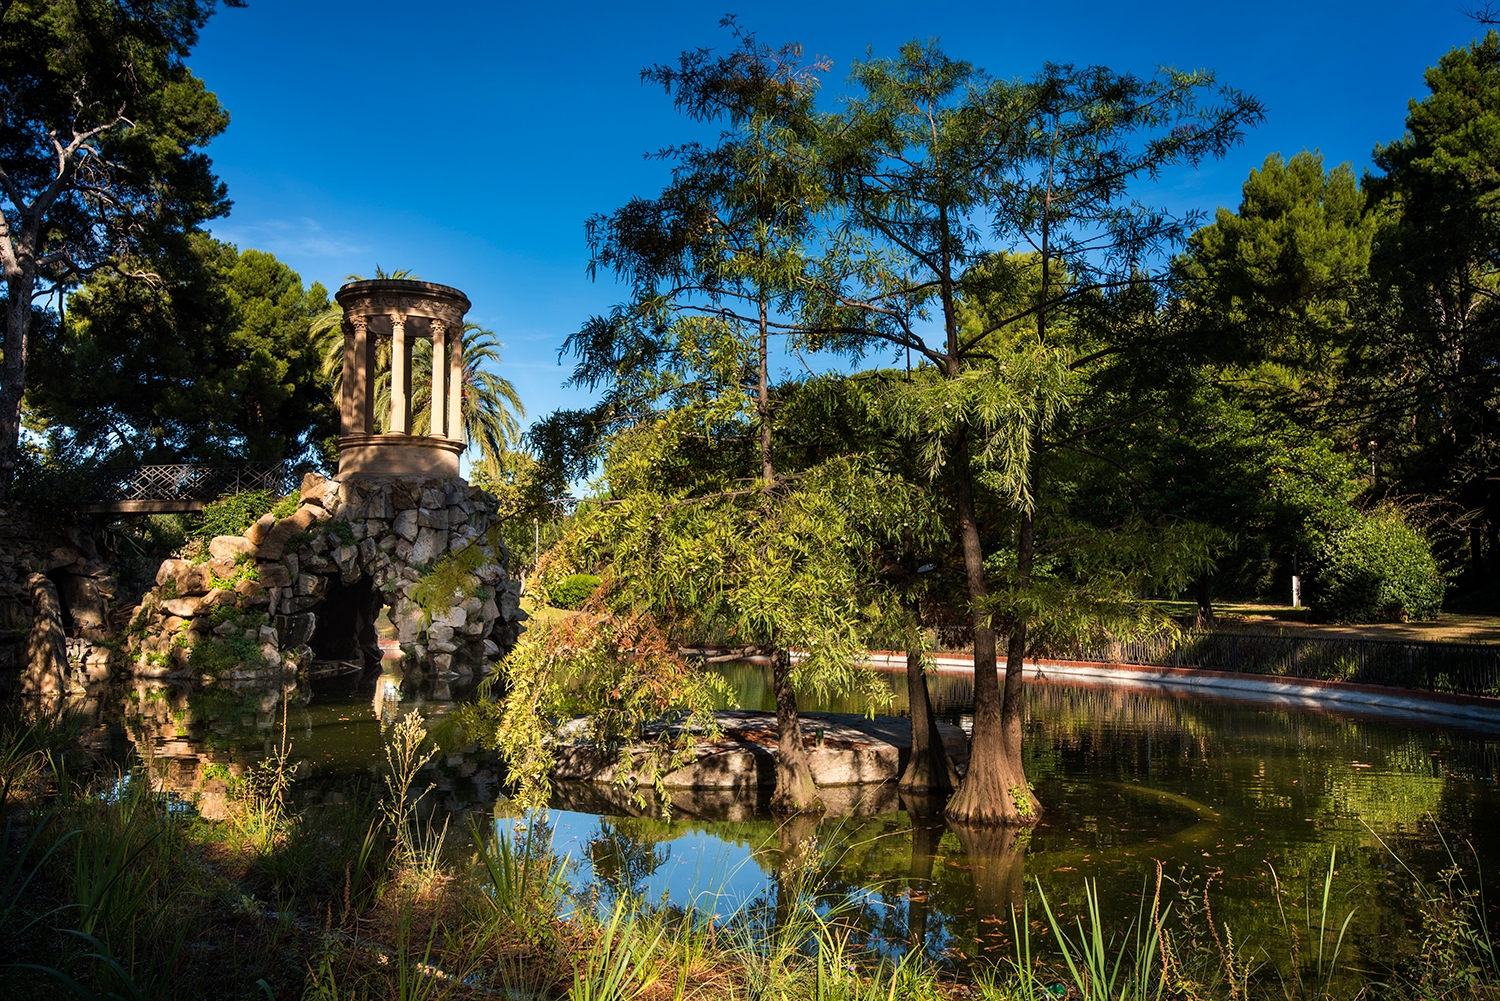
380 288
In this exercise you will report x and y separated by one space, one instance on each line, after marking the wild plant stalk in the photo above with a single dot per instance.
260 812
1129 973
1325 965
121 892
18 874
526 884
1458 956
417 851
28 738
415 977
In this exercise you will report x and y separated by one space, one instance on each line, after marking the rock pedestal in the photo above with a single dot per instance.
315 580
47 646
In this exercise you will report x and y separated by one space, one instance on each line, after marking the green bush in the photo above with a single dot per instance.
1379 569
233 513
573 590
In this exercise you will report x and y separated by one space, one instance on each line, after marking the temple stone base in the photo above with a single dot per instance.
309 587
398 455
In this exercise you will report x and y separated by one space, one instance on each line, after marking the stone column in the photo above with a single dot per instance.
359 377
439 379
400 378
456 384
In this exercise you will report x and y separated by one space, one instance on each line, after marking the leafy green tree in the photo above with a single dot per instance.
713 266
1379 569
1272 290
1263 438
211 361
1427 368
903 528
99 153
927 157
1266 483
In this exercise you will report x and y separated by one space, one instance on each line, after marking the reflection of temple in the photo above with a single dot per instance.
196 741
193 741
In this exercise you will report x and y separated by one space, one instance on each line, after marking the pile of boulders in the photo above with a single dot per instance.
255 598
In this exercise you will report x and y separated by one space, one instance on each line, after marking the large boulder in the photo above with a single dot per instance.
230 547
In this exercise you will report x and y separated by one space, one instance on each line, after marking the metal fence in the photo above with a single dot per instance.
187 482
1459 668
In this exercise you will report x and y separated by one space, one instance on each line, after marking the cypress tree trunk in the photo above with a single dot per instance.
990 792
929 769
795 791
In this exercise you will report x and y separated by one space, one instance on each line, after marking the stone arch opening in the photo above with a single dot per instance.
345 628
61 580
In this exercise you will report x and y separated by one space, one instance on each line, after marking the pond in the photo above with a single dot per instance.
1235 798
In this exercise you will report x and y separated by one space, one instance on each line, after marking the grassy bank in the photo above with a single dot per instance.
109 889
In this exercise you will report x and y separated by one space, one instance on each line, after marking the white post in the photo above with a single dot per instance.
439 379
400 378
456 385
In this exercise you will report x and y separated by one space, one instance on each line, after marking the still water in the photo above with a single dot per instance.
1234 797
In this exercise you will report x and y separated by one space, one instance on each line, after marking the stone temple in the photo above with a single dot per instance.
396 529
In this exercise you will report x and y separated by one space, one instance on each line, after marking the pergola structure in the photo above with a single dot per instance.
401 311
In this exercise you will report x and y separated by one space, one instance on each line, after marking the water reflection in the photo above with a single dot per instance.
1211 790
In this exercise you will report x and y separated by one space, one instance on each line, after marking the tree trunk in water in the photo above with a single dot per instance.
795 791
986 794
13 376
929 769
795 837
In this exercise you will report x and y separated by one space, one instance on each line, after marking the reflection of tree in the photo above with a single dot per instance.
998 858
796 859
927 828
623 857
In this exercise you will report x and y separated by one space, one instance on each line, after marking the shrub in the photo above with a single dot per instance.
231 514
1379 569
573 590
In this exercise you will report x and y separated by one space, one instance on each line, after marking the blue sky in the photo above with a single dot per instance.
470 141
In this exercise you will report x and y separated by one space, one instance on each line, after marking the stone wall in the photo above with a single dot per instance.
262 601
53 581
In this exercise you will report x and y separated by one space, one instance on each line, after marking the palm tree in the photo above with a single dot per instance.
491 409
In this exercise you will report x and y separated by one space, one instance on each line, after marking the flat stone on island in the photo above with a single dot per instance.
843 749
